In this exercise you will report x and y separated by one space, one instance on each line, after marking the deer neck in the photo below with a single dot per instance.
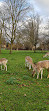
33 65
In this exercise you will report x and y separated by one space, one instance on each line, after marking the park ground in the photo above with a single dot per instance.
19 91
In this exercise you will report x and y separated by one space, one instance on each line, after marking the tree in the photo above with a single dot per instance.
31 31
2 19
1 29
16 9
36 37
0 36
45 36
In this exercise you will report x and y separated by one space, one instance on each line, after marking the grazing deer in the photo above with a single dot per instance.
48 76
28 62
39 68
47 54
3 61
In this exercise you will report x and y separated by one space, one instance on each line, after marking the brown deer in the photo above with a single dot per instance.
3 61
28 62
47 54
39 68
48 76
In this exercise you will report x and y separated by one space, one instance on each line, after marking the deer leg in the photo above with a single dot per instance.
48 69
5 66
41 73
29 66
48 74
37 75
1 67
25 64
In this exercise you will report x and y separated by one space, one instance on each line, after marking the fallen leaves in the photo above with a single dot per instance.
47 103
24 85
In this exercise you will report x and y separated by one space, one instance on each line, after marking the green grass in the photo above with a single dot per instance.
19 91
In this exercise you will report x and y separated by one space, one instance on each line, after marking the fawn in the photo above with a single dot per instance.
3 61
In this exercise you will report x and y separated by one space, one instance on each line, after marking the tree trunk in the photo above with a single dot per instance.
0 44
11 48
17 48
0 41
32 48
35 49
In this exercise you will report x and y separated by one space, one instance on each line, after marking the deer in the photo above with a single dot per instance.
39 66
28 62
3 61
48 76
47 54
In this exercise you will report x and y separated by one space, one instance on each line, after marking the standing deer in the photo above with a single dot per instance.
48 74
28 62
39 68
3 61
47 54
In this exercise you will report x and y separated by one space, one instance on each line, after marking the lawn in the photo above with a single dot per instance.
19 91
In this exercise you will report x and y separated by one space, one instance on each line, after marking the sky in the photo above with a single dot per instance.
1 2
41 6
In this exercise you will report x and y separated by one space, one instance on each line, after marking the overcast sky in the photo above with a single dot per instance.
41 6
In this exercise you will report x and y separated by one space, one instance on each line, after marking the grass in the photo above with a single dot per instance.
19 91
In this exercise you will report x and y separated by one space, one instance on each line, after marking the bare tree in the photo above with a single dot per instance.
31 31
1 30
0 36
36 32
45 37
16 11
2 20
